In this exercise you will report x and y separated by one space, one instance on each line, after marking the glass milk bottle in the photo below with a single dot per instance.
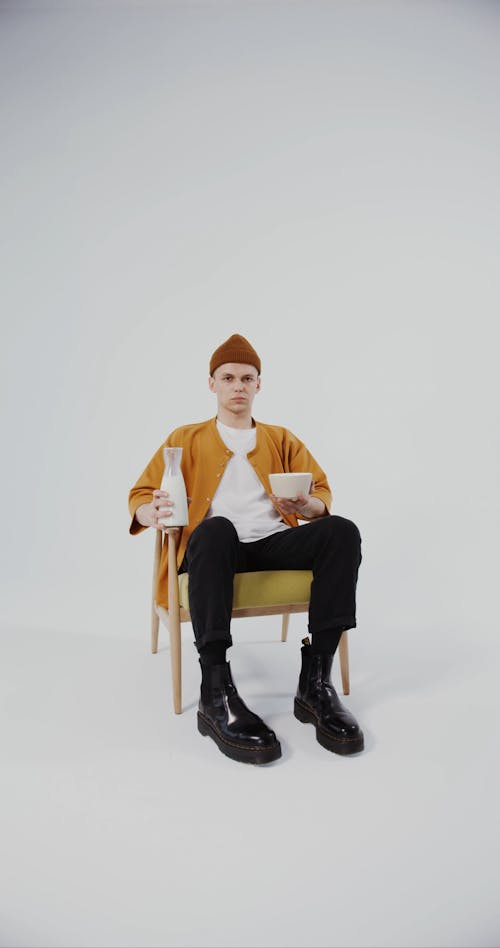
173 483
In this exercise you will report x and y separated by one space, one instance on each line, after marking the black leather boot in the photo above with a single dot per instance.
223 716
317 703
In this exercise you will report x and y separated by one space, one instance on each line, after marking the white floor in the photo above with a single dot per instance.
122 826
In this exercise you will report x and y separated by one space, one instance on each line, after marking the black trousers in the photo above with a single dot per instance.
329 546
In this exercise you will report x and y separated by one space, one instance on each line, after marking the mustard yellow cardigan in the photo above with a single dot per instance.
204 459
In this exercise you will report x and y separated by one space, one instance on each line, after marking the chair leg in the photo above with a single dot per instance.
155 621
284 626
344 661
174 621
174 628
155 625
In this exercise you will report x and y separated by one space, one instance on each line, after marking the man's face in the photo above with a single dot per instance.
236 386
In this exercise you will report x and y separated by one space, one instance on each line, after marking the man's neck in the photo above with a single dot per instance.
235 421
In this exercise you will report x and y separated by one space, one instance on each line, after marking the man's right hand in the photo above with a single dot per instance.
160 508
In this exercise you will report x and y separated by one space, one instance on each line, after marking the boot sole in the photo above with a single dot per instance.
345 746
245 755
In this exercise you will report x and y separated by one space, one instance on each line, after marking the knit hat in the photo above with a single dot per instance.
235 349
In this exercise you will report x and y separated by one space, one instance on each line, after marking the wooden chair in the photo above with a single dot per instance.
263 593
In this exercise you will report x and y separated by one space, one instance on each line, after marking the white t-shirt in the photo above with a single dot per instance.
240 495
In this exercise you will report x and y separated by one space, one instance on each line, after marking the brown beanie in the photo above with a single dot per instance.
235 349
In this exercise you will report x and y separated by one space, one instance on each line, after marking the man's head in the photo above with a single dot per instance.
235 375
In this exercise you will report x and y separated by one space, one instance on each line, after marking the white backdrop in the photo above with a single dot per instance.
321 177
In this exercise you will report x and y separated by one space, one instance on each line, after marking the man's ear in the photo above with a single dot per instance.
210 383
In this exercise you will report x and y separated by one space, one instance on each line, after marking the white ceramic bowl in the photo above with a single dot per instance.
289 485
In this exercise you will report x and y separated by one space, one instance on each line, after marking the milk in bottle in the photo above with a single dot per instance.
173 483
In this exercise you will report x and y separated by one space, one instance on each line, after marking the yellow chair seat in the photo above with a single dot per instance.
262 588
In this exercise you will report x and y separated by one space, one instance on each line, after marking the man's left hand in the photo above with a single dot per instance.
309 507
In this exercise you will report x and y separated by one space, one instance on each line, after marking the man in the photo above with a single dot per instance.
236 524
